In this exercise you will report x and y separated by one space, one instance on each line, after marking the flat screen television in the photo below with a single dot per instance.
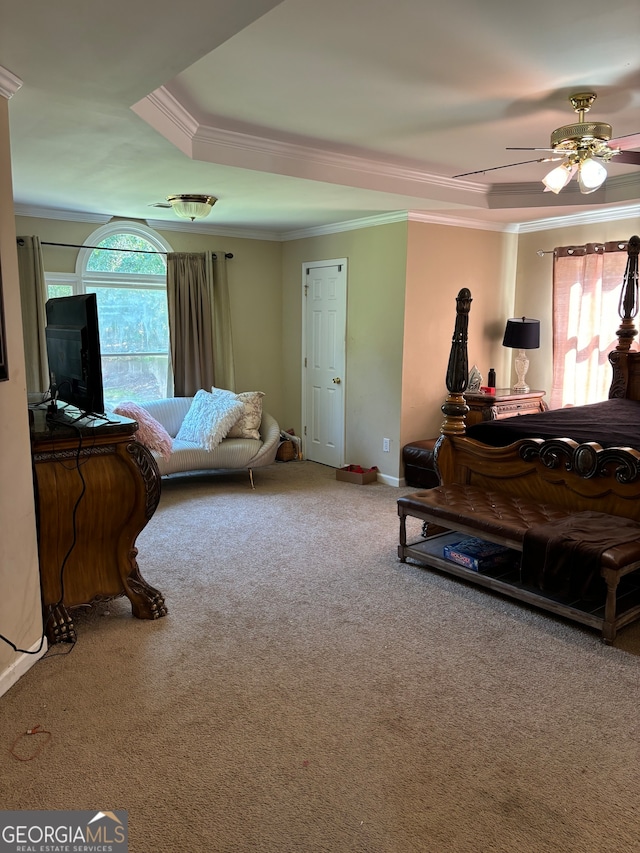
73 352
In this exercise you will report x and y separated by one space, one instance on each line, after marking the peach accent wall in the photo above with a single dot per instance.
440 261
20 608
534 282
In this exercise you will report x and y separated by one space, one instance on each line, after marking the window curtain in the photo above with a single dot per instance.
587 283
199 322
33 296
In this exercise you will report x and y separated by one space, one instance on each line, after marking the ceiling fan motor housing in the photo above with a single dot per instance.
573 136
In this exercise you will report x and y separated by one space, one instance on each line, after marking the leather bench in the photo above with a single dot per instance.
504 519
419 464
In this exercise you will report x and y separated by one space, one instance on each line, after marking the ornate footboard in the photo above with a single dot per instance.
573 476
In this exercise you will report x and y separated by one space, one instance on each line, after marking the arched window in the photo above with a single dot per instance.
128 273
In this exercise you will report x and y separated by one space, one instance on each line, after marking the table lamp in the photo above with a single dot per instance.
521 334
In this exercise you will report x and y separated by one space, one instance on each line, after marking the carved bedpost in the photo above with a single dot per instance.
628 307
455 407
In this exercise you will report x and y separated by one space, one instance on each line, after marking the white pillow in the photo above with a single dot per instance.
210 417
248 424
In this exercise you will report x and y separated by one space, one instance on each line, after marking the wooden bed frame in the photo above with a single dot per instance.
558 471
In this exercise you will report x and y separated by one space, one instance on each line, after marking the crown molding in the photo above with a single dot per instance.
170 106
589 217
269 147
57 213
461 222
157 224
397 216
164 112
347 225
9 83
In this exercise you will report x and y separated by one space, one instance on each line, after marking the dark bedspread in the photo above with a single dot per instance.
562 556
612 423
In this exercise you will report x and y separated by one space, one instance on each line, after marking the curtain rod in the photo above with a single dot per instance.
228 255
610 246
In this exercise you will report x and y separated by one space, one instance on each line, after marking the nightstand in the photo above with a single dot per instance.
505 403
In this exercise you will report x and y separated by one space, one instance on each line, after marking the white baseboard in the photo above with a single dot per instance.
20 666
389 481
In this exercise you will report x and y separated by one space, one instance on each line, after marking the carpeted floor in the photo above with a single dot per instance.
308 692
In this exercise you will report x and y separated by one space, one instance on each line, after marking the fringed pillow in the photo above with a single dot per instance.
248 424
210 417
151 433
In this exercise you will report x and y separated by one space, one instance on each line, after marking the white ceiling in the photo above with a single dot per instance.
303 114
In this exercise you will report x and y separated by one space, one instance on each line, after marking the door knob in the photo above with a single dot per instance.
337 380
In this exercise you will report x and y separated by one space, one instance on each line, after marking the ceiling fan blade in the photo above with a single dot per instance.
507 166
632 157
530 149
630 140
159 204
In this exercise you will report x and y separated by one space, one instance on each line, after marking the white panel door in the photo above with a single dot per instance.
325 306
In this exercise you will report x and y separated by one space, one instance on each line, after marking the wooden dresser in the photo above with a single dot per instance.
504 403
96 488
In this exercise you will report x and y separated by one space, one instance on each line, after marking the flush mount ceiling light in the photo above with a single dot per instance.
192 206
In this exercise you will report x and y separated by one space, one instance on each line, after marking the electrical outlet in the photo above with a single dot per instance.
385 445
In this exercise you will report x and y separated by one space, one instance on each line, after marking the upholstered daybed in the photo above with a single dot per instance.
181 455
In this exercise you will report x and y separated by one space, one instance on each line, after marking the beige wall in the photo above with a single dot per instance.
20 608
255 275
440 261
534 282
376 273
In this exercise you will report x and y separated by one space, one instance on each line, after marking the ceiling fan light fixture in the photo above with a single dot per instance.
558 178
591 175
192 206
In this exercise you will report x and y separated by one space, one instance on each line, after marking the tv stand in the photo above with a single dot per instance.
96 488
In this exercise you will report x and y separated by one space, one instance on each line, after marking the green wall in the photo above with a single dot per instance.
255 284
376 274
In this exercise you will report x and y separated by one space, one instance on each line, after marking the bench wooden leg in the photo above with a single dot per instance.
403 537
609 625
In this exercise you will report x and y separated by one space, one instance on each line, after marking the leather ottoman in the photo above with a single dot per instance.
419 465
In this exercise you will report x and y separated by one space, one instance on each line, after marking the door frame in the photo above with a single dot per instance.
307 265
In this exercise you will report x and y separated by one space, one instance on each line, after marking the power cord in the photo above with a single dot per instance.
35 730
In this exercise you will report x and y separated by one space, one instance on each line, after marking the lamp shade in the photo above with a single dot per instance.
558 178
591 176
522 333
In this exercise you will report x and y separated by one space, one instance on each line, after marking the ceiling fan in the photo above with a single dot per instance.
582 147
